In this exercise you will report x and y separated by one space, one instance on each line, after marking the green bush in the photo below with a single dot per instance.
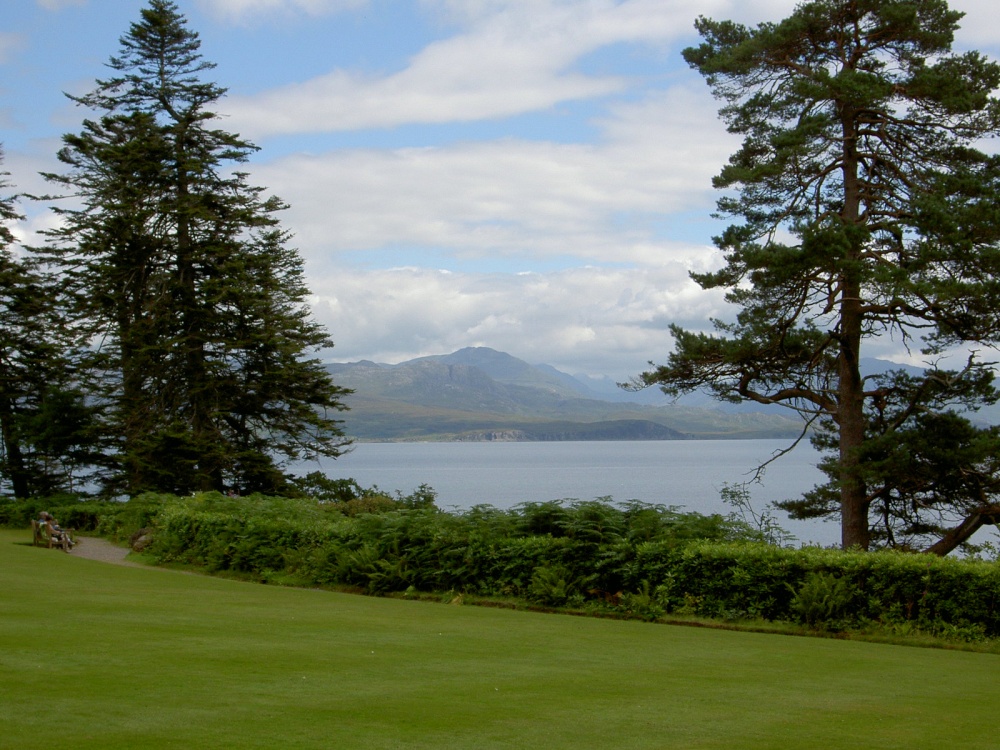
553 585
638 560
823 599
887 588
72 512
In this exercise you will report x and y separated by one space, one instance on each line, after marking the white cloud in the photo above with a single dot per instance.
25 178
624 216
584 320
978 29
514 57
523 201
513 198
9 45
245 10
56 5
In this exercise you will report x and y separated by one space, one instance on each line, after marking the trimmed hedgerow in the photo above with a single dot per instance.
652 560
647 561
594 546
836 589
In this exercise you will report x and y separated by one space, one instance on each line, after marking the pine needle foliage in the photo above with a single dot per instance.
46 442
181 273
862 208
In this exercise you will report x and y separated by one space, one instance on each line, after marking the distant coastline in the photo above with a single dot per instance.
479 394
482 395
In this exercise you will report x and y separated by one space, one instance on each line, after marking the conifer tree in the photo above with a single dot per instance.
184 277
12 285
862 208
45 437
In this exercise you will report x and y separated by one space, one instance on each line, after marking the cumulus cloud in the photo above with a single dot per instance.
583 320
512 58
607 212
978 29
574 251
511 198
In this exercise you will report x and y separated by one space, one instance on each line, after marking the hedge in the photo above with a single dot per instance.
646 560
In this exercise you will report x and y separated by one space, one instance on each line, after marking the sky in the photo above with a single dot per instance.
528 175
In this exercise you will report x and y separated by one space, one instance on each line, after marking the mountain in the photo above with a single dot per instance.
486 395
986 415
482 394
509 370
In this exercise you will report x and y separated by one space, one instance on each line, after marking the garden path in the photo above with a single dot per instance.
95 548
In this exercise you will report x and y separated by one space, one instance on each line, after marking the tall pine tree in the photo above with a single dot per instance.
14 355
862 208
184 277
45 426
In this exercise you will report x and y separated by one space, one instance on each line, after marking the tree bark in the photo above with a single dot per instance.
853 492
854 530
963 532
12 447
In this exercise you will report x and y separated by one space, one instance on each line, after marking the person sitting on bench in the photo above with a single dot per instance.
54 530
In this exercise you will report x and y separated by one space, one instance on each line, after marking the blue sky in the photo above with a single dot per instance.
529 175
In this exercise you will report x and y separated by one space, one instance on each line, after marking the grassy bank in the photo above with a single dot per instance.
101 656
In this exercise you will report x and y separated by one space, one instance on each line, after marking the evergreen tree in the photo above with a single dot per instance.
862 209
182 273
45 427
12 309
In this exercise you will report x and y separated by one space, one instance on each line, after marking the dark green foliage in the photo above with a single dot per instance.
179 267
822 599
409 543
861 208
46 435
72 512
322 489
932 476
884 589
688 567
646 604
554 585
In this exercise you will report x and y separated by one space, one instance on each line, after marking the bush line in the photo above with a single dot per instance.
639 560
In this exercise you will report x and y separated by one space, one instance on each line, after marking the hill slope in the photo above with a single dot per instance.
482 394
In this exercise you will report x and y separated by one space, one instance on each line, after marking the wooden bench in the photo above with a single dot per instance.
42 535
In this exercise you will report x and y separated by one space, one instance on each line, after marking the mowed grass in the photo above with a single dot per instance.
94 655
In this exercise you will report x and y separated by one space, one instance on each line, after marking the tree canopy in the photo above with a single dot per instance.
863 207
46 440
181 274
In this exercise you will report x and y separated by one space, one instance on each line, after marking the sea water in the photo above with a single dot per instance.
688 474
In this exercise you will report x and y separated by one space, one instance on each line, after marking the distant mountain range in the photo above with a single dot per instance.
484 395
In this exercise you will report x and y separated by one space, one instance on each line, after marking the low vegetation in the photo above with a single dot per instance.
100 656
627 560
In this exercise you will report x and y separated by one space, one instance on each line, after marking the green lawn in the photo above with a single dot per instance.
101 656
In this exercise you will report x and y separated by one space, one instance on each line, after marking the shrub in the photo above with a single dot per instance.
637 559
72 511
553 585
758 580
646 604
823 599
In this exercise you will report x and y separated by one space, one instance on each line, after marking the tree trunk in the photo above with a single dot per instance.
854 531
15 458
982 517
196 396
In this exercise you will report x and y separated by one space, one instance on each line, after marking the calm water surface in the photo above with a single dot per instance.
684 473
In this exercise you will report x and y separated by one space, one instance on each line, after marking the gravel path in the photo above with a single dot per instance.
94 548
